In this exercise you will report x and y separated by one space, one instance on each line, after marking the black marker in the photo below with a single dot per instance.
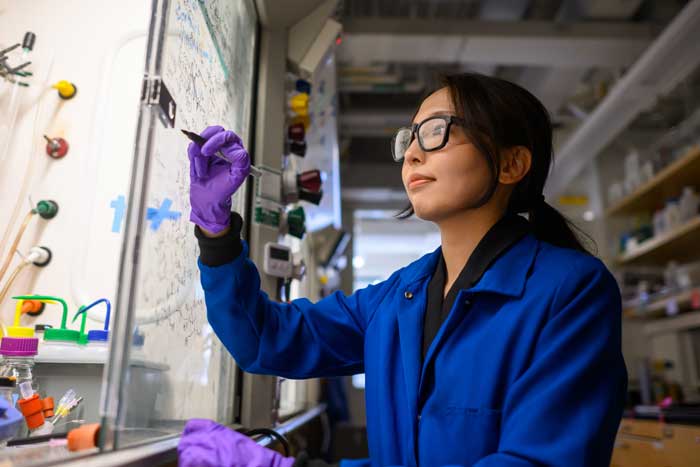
198 140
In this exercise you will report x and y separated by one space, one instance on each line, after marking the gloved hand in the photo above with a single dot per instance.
212 180
205 443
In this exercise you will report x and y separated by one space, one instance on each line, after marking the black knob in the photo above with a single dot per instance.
313 197
298 148
29 40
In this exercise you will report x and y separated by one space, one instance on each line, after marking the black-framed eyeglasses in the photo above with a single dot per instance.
433 134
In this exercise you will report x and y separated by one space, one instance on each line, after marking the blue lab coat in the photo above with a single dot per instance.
527 367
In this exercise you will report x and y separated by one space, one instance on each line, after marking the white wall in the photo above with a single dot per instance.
99 46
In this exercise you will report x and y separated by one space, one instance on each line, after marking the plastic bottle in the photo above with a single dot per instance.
688 204
57 341
672 213
18 350
633 177
659 222
671 276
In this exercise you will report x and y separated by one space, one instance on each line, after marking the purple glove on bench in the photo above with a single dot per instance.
205 443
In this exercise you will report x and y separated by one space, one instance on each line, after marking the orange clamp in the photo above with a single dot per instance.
47 406
33 411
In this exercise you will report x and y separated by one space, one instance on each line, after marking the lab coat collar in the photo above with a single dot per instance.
506 276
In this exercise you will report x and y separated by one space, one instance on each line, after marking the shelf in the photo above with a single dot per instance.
679 244
682 322
657 308
666 184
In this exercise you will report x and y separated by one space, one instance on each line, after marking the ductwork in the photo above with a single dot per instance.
668 61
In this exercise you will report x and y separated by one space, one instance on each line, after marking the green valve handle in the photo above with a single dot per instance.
82 338
46 208
296 221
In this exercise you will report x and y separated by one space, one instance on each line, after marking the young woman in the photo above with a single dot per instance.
501 348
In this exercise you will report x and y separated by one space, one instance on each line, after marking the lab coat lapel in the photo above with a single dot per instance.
410 317
411 301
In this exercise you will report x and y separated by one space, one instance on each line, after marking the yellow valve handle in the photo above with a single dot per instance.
65 88
300 104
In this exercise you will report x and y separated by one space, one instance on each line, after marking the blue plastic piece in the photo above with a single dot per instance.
98 335
10 420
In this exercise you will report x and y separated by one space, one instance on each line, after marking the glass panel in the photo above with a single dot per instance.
167 364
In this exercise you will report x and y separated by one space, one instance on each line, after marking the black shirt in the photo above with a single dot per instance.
497 240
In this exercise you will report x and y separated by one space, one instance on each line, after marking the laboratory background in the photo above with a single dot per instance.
106 350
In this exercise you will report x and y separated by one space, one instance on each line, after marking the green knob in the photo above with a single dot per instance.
47 208
296 220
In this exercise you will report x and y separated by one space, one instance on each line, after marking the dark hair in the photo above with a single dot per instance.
499 115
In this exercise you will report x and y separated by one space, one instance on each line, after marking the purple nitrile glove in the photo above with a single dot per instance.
212 180
205 443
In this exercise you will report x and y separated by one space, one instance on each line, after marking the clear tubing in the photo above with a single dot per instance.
15 244
7 129
32 157
12 278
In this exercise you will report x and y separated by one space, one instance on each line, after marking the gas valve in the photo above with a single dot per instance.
66 89
305 186
56 147
294 223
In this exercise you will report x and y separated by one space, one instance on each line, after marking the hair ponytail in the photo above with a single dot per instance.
550 226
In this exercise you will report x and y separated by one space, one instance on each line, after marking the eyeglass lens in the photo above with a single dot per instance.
431 136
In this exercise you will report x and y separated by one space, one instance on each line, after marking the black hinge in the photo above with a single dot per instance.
154 92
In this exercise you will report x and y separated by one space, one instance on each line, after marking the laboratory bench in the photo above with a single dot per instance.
144 449
655 443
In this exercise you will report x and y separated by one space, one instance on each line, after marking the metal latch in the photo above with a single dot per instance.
154 92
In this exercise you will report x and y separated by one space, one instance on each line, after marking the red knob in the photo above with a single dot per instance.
56 147
310 180
297 132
